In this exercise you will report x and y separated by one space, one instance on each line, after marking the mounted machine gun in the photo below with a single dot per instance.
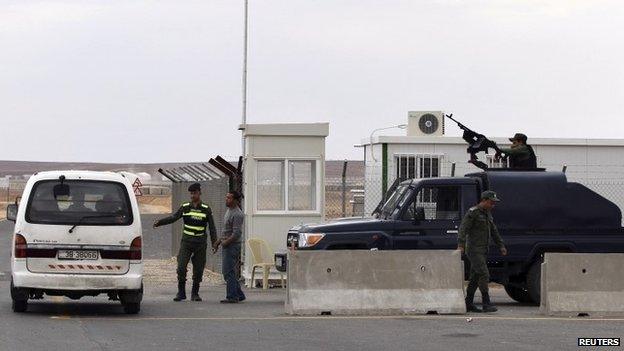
476 143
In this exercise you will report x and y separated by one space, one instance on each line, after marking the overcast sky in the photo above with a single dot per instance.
158 81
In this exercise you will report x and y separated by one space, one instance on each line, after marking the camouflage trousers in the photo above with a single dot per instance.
479 274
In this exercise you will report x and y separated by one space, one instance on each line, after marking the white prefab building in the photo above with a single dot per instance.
426 152
284 181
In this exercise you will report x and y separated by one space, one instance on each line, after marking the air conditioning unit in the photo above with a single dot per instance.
425 123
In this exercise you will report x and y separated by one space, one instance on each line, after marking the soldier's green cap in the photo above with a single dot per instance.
519 136
489 195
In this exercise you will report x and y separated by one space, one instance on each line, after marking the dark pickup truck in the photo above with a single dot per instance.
539 212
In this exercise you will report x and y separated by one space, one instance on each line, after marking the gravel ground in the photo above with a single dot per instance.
164 271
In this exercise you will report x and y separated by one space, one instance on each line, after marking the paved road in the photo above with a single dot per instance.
260 324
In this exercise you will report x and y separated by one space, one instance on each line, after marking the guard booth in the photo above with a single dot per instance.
216 179
283 182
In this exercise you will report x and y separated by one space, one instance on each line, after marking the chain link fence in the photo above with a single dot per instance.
344 198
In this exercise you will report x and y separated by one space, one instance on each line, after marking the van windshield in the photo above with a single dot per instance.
93 202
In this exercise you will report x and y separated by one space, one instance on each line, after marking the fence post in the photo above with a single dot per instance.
344 189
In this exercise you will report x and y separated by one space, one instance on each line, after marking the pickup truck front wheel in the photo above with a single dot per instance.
533 279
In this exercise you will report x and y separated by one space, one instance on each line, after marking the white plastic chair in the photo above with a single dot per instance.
261 254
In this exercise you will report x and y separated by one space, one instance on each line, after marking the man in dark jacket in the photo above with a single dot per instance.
197 216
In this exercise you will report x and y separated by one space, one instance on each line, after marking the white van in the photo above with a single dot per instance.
77 233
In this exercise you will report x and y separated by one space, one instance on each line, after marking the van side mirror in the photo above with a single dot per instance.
419 214
11 212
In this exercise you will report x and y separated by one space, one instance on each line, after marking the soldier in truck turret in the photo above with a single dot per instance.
520 154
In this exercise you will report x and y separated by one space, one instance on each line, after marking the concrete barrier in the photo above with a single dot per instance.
375 282
582 284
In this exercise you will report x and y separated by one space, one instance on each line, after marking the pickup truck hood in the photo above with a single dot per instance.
359 225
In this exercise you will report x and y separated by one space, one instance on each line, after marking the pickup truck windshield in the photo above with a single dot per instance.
393 201
95 202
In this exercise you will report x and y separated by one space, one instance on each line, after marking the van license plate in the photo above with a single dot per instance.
78 255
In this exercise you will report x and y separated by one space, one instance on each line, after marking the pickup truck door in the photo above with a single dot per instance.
430 219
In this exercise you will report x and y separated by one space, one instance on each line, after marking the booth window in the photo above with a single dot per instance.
299 194
301 185
270 185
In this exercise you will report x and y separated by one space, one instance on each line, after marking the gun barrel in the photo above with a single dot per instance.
476 143
451 118
458 123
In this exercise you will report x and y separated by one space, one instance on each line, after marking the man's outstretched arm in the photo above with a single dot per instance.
168 220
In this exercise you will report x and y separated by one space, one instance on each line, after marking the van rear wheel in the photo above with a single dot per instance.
20 298
131 300
132 307
20 306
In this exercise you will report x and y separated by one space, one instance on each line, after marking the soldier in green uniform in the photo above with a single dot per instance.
474 239
196 216
520 154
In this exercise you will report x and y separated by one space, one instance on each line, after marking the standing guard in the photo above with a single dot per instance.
474 239
196 216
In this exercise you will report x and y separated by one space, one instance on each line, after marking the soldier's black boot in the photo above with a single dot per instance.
470 293
470 306
181 295
195 292
487 304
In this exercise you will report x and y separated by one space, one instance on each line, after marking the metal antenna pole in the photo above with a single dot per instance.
244 78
